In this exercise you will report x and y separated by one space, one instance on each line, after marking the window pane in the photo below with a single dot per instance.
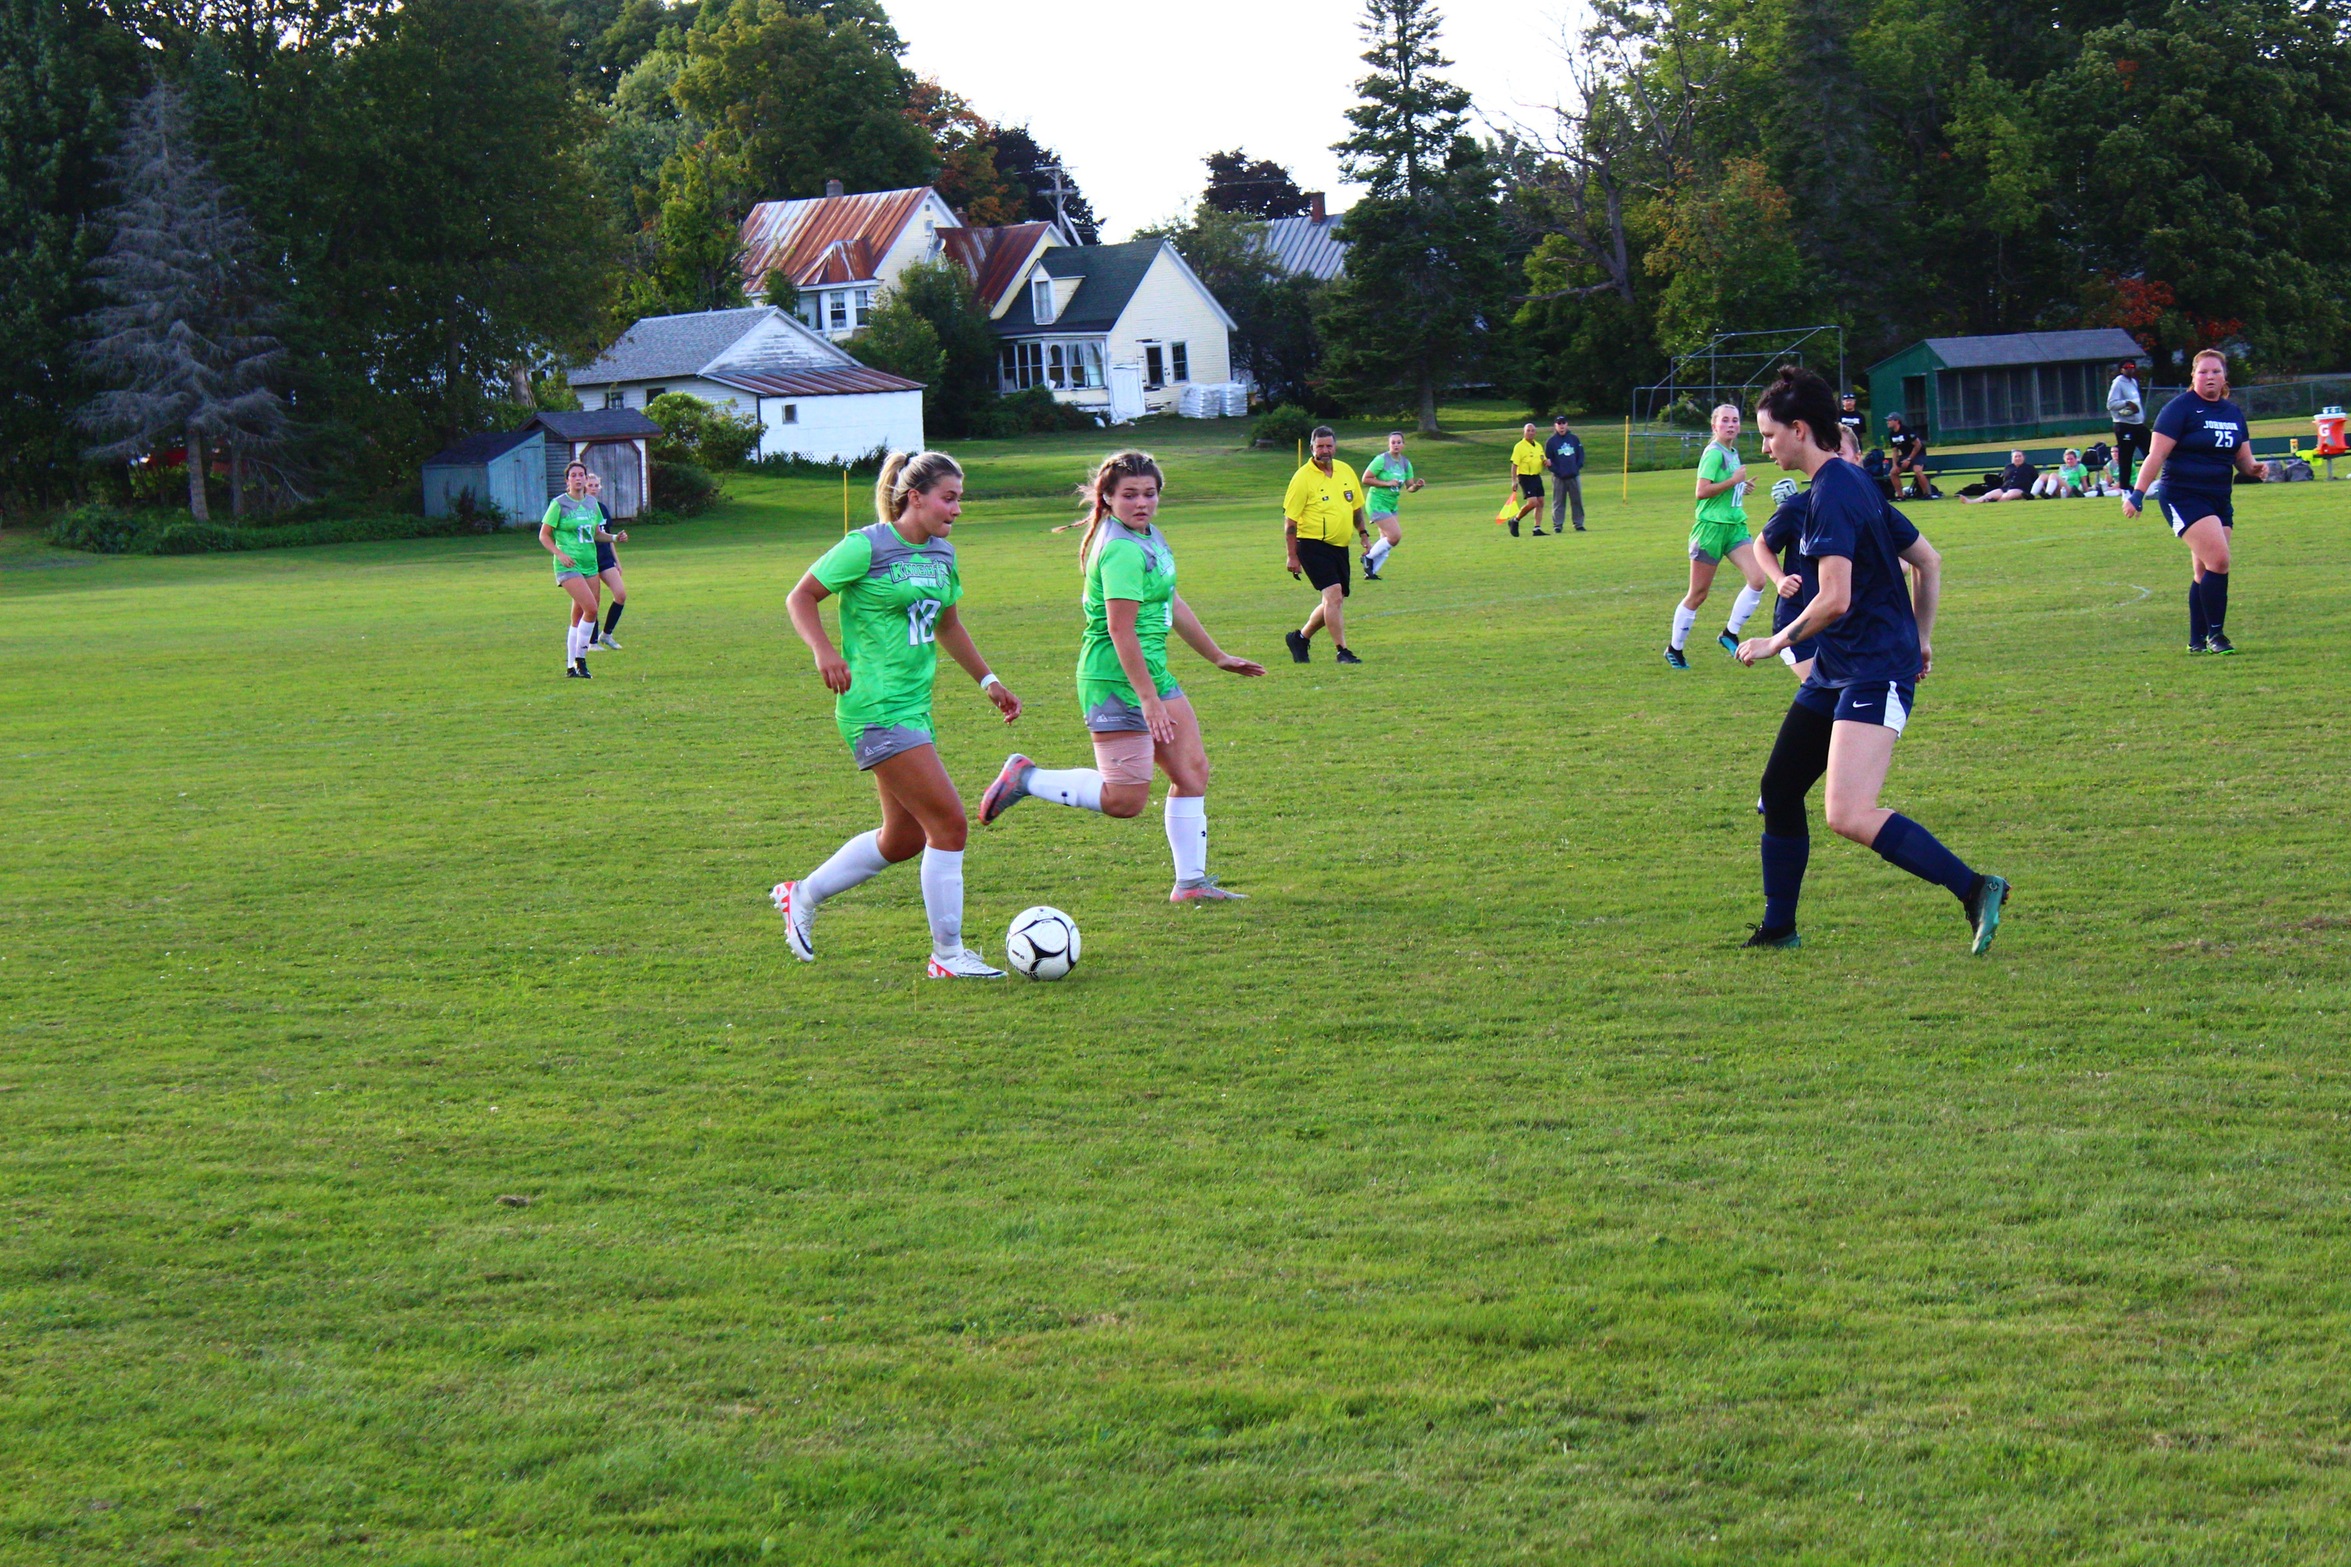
1183 367
837 310
864 306
1093 364
1154 368
1004 365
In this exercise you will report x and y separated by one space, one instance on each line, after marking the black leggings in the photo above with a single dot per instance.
1798 758
2129 440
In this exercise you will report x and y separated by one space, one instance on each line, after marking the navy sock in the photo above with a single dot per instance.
2198 627
1784 859
612 617
1903 842
2216 600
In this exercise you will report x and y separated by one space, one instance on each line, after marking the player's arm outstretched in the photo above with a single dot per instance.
1187 625
956 639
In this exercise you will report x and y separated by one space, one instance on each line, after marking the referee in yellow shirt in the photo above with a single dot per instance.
1322 515
1526 480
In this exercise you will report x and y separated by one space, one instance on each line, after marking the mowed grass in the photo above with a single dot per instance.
1466 1196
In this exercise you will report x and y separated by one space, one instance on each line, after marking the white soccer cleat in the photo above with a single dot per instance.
965 964
798 917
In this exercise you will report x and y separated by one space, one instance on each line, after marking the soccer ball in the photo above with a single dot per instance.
1042 944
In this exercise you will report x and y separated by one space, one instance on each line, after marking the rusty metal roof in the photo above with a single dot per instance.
993 257
816 383
826 239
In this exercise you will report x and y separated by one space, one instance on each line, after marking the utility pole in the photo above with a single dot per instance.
1060 194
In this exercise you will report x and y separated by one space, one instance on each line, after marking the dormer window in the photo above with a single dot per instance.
1041 299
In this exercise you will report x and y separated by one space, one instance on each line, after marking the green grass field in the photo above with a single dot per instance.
1465 1197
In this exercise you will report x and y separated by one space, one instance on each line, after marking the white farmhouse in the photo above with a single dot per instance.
1088 320
810 397
840 250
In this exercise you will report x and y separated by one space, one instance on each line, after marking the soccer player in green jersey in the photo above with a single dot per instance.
1132 704
898 587
1386 482
1720 533
571 530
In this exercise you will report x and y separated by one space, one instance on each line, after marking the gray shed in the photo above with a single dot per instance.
613 442
503 469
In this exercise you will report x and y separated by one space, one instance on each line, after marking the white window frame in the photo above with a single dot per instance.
1179 363
836 310
865 307
1154 367
616 398
1041 300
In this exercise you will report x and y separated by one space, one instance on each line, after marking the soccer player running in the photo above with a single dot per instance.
1720 533
1563 454
570 531
1874 646
1323 503
1777 549
607 573
1386 481
1133 707
899 586
1526 480
2201 442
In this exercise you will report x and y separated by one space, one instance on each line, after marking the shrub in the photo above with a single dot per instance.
1284 426
101 530
700 434
683 487
476 516
867 466
1035 411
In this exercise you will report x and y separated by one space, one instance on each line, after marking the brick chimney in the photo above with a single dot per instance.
832 187
1314 207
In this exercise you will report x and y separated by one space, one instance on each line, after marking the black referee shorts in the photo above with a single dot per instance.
1327 565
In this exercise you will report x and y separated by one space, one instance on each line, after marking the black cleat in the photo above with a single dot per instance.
1299 646
571 671
1674 658
1346 656
582 668
1759 936
1983 911
2216 643
2195 648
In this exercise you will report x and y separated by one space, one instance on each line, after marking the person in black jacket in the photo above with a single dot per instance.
1563 454
2014 484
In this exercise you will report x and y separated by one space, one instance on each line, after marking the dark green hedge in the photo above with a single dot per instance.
108 530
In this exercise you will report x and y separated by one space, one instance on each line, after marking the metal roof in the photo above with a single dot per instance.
1111 274
826 239
660 347
2033 348
815 383
1307 246
993 257
594 424
476 450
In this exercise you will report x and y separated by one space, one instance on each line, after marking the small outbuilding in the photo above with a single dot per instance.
615 443
2011 387
502 470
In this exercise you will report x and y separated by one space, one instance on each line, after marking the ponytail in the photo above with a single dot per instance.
1095 492
909 473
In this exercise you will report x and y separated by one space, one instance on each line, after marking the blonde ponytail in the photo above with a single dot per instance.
1095 492
910 473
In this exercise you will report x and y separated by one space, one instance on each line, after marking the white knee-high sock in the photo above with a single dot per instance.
1743 607
1684 618
858 860
1078 786
1187 835
942 899
1380 551
571 646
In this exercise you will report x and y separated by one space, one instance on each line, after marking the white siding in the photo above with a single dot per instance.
841 426
1169 307
918 240
633 393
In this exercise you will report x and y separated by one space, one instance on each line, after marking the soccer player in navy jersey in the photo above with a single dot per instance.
2201 443
1872 648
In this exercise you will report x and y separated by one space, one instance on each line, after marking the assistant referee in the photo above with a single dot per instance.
1322 515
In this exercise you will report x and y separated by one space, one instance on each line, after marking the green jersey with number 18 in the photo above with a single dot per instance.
891 593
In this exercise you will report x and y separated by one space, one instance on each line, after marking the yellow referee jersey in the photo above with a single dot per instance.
1323 506
1527 458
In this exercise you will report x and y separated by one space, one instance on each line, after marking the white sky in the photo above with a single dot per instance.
1134 96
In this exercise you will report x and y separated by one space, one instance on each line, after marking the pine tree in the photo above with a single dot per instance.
1428 261
184 341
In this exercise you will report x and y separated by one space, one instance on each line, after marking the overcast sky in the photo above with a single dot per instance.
1134 96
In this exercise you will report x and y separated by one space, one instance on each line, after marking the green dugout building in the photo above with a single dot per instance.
2012 387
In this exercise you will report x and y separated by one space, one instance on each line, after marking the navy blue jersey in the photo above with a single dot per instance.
2206 437
1877 636
1781 536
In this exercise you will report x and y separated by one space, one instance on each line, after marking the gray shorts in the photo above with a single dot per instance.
562 577
878 743
1114 715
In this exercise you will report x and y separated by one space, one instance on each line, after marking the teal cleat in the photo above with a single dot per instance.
1759 937
1983 911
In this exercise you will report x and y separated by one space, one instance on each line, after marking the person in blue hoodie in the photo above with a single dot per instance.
1563 454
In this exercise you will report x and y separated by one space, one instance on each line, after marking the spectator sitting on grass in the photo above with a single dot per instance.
2069 477
2014 484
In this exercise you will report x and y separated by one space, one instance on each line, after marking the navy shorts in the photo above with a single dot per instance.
2184 508
605 559
1887 703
